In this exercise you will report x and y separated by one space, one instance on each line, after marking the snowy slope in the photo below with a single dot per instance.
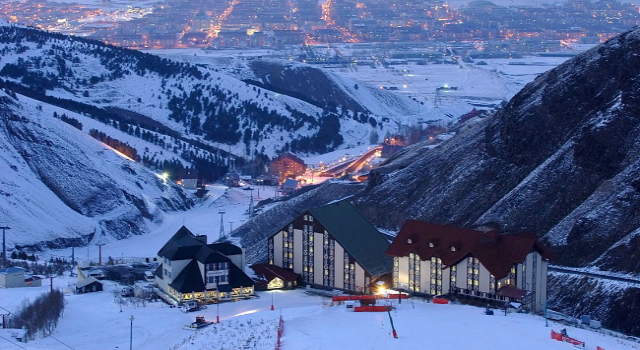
196 102
62 186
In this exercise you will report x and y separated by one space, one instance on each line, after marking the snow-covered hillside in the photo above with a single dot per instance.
191 102
61 187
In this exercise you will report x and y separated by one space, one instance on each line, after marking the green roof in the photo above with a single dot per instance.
356 235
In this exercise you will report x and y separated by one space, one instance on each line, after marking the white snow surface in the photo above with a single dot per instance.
95 321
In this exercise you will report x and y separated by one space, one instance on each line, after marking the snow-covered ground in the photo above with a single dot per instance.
95 321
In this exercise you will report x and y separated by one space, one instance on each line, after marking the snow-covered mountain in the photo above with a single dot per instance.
561 159
198 111
61 187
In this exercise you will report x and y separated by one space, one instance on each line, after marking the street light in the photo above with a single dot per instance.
131 333
4 227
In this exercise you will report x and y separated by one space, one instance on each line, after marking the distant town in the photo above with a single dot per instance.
278 24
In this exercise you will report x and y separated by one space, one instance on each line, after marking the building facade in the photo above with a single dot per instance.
14 277
287 165
332 246
436 259
191 269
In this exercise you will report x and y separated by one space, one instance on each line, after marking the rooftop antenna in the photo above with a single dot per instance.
221 212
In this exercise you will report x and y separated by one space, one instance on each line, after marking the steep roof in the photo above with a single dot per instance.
225 248
272 271
290 156
497 252
208 256
182 245
237 277
158 271
189 279
356 235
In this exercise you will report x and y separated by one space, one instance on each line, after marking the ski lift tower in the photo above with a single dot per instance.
221 212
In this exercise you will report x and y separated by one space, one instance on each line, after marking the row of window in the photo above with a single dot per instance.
222 279
217 266
473 275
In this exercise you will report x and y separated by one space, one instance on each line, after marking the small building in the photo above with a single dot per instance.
14 277
189 178
435 259
191 269
287 165
274 277
332 246
88 285
232 179
290 185
267 180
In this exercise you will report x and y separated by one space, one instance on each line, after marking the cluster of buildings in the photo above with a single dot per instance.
335 247
277 24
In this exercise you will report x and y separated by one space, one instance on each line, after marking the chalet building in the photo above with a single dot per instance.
436 260
13 277
269 277
332 246
192 269
287 165
88 285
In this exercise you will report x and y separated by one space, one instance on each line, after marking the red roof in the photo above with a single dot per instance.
497 252
272 271
291 157
512 292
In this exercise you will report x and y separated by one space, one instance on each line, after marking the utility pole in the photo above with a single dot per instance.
230 227
131 333
4 227
73 259
250 210
221 212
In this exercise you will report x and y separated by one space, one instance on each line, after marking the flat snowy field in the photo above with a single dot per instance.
94 321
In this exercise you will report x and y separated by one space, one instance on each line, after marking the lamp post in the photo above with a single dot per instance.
218 315
272 308
131 333
4 227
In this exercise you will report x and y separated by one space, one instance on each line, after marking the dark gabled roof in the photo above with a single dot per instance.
208 256
189 279
497 252
237 278
356 235
225 248
158 271
269 272
183 245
